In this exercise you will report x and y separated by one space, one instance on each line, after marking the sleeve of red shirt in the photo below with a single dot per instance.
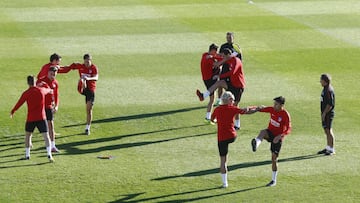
287 127
266 109
64 69
213 115
43 71
56 94
20 102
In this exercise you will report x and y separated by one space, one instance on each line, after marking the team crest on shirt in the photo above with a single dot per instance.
280 119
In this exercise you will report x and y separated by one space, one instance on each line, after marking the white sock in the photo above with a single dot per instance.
274 175
258 142
332 149
208 115
206 94
237 123
224 178
48 151
53 144
328 148
27 151
87 127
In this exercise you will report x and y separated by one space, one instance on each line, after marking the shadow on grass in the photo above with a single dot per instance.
138 116
71 148
239 166
131 197
24 165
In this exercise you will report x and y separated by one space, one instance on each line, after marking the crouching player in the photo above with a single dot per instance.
224 116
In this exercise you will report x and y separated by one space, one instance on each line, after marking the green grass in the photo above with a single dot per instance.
147 116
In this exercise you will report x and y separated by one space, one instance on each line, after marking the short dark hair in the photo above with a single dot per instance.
55 56
213 47
326 77
53 69
31 80
280 99
87 56
227 51
230 33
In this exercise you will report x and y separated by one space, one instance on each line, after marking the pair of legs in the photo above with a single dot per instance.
330 138
50 122
223 147
89 99
275 148
208 84
43 129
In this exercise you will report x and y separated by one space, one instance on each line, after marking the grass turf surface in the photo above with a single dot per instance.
147 116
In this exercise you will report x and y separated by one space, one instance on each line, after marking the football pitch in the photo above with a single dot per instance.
146 113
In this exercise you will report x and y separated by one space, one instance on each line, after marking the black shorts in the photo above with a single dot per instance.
41 126
49 114
274 148
224 146
327 123
237 92
209 83
89 95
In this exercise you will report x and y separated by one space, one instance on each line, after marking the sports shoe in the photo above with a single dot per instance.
25 158
236 128
253 145
225 185
271 184
87 131
322 151
200 95
51 159
329 153
55 150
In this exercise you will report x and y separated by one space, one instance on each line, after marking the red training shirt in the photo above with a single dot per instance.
88 72
35 99
224 115
206 64
45 69
280 123
236 72
51 99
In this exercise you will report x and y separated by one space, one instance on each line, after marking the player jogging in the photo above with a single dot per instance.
51 102
327 106
279 127
88 73
224 116
35 99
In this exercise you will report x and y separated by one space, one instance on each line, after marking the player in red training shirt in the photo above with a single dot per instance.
224 116
51 102
235 83
35 99
55 60
88 73
208 71
279 127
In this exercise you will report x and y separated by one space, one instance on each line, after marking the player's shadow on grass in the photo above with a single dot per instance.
130 198
138 116
239 166
72 148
